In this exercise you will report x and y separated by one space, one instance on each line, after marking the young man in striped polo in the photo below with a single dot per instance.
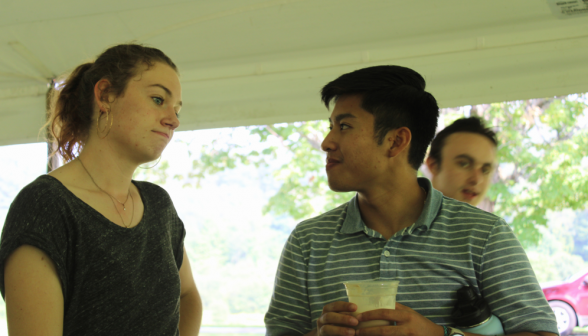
462 160
397 227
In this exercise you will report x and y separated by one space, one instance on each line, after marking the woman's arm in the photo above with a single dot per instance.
33 295
190 302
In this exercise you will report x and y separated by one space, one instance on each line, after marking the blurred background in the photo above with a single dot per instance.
240 191
246 166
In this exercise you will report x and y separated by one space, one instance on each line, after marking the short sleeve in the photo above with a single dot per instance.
36 218
180 235
289 309
510 287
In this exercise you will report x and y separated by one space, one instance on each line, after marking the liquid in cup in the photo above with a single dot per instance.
370 295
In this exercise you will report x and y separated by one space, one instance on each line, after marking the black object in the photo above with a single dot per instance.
470 310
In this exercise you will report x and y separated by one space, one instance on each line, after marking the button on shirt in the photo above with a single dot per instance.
452 244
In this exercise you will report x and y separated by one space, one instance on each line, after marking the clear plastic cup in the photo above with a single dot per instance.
371 295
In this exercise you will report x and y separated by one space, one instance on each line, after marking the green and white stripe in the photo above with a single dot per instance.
452 244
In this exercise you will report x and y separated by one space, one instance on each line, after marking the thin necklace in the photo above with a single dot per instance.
121 203
114 199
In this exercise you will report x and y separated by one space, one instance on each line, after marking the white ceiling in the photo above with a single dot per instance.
246 62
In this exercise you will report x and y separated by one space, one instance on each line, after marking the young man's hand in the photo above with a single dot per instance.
337 320
408 322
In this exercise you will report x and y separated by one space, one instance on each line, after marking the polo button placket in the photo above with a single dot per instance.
392 272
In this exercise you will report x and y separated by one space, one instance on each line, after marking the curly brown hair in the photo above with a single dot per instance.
71 116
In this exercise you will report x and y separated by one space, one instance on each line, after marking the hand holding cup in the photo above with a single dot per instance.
371 295
337 319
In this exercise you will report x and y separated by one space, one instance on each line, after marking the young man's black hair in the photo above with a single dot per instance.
470 125
397 98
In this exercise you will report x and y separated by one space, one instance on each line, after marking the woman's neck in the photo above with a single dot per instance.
106 169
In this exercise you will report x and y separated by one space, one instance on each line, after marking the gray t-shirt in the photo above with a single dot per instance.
115 281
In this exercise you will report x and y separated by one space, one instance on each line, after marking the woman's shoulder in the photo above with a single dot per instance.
153 194
36 217
151 189
42 198
43 189
160 203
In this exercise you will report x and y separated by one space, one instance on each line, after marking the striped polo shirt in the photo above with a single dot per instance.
452 244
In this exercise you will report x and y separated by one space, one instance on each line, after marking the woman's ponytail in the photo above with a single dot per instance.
71 116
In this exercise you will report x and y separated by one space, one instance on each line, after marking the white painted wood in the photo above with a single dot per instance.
247 62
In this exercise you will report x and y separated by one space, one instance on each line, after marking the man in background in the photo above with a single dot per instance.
462 160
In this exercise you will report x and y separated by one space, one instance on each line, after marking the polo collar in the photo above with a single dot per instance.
353 222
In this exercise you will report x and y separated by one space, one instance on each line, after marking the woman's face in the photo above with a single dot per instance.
146 114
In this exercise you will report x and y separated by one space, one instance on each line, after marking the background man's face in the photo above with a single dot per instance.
467 165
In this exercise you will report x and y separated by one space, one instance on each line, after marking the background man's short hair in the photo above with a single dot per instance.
397 98
470 125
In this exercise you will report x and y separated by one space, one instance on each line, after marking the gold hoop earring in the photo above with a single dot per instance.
98 124
156 163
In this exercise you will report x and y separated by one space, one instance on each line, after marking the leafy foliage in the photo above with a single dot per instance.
542 144
555 258
543 150
543 167
155 172
579 232
304 189
225 264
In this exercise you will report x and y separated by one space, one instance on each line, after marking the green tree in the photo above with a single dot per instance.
294 150
543 150
543 145
580 234
555 258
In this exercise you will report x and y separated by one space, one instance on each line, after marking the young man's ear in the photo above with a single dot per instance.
432 165
398 140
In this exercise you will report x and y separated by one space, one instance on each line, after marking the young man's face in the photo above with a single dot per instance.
355 161
468 161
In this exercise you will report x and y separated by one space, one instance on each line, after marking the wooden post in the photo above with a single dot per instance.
53 161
